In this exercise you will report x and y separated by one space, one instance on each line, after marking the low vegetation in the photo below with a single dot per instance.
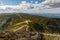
39 23
13 24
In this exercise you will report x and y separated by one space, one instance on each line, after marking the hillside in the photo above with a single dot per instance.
11 22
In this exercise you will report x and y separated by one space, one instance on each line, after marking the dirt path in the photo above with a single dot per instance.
54 35
21 28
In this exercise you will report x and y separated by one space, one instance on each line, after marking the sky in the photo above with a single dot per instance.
33 6
16 2
10 2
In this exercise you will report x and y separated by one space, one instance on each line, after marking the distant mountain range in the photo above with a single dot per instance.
51 15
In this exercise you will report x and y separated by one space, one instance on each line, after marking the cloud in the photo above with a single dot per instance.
46 6
24 5
52 3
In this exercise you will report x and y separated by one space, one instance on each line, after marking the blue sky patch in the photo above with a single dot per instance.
16 2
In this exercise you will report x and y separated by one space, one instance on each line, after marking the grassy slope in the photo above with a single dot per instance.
43 24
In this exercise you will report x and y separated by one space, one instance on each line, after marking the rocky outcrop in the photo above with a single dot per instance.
20 35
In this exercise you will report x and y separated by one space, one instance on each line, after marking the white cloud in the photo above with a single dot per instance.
24 5
44 7
50 2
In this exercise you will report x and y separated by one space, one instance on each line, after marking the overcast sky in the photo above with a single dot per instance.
39 6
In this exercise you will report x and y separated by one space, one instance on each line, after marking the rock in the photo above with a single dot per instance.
20 35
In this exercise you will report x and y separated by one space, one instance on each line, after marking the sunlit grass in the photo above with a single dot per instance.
17 25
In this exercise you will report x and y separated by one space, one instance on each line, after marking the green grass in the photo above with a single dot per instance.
17 25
